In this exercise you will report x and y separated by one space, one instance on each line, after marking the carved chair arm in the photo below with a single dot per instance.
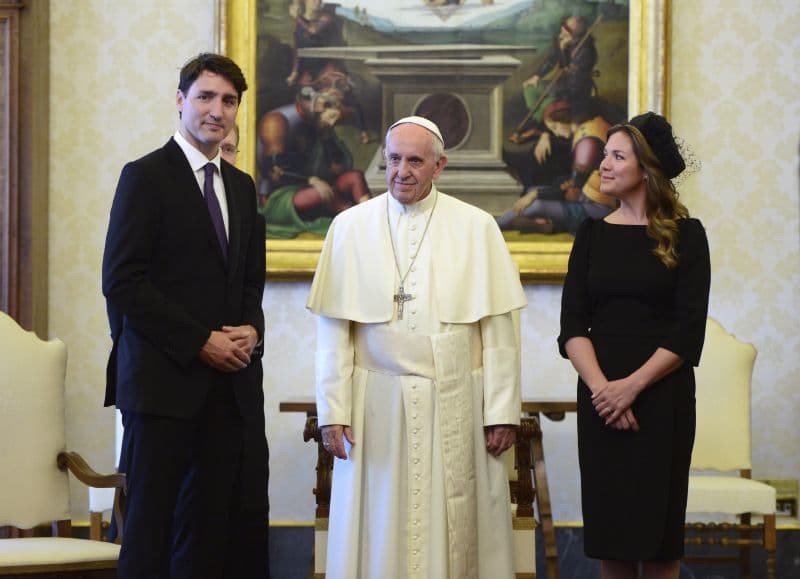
76 464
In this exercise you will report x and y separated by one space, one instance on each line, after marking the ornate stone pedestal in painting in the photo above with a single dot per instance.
459 87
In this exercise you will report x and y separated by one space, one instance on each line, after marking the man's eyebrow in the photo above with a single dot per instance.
227 95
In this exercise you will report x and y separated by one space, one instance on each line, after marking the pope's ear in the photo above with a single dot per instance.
440 165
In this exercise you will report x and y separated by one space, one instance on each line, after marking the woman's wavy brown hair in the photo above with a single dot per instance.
662 204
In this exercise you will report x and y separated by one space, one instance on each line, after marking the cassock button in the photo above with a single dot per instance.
413 242
416 506
416 551
413 226
413 326
416 491
416 461
416 446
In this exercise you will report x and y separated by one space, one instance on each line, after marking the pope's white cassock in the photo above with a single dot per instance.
419 496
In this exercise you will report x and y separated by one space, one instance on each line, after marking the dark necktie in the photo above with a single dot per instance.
214 209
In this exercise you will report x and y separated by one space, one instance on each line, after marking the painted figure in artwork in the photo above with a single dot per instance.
556 149
567 72
307 170
317 25
573 196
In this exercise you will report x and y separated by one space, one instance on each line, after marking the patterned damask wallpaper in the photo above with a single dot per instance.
114 74
735 80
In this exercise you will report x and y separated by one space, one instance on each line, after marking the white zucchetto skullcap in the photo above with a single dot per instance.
422 122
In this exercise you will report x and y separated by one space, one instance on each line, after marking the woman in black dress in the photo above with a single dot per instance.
633 318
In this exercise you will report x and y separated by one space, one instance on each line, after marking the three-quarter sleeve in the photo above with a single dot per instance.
575 301
687 331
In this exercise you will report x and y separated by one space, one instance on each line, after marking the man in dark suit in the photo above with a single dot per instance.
183 276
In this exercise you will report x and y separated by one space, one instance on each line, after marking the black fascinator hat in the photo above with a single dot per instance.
658 133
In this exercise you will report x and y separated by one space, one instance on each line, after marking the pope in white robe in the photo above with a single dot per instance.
417 376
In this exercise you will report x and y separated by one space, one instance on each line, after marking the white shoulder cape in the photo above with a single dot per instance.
475 276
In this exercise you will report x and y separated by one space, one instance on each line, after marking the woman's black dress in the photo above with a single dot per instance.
620 295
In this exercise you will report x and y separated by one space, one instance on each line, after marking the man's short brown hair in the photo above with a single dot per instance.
216 63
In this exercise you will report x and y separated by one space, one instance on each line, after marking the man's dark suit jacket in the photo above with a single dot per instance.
167 286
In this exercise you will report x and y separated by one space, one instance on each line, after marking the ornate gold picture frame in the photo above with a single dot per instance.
540 261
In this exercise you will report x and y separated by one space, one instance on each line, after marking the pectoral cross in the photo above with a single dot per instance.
401 297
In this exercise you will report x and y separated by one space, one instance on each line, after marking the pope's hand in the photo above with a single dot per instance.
500 437
333 441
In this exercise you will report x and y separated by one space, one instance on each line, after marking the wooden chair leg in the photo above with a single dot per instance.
96 526
543 502
770 544
322 491
523 494
744 550
524 489
62 528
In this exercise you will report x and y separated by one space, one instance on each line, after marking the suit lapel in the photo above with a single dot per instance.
234 217
185 184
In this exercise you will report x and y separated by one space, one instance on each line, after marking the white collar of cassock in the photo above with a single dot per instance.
422 206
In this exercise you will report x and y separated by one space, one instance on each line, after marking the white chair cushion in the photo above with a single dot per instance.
54 550
729 494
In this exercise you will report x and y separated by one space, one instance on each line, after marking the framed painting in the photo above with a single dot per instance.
520 88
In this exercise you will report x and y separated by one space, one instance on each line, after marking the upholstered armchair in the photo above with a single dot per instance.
34 483
722 497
